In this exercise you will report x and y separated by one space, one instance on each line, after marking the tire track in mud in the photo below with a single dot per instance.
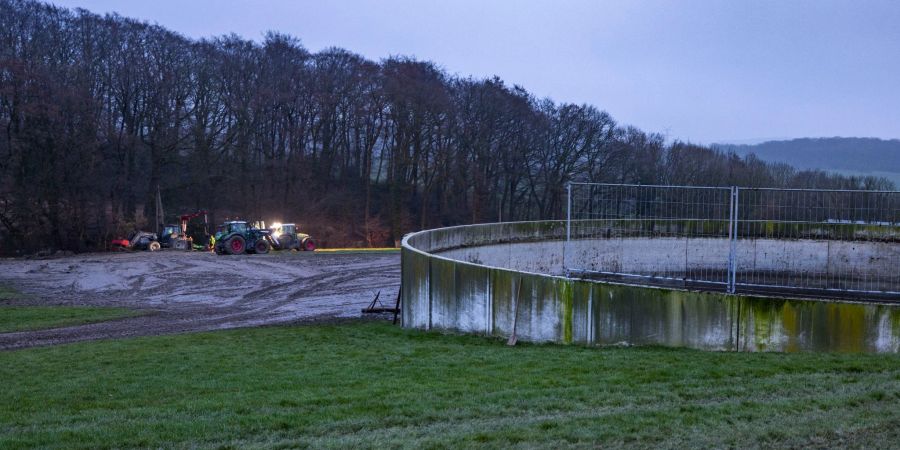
315 290
183 292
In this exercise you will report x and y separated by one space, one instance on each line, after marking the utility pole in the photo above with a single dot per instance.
160 215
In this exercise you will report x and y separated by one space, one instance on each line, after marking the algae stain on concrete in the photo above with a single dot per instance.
762 326
845 324
565 293
791 327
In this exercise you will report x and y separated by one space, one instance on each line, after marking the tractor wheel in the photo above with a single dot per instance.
235 245
153 246
308 245
261 247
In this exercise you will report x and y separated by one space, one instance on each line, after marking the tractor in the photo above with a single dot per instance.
178 237
138 240
285 237
173 237
237 237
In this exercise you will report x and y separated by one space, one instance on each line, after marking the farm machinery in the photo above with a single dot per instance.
284 236
237 237
138 240
178 237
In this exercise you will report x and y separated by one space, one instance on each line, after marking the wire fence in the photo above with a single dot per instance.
741 240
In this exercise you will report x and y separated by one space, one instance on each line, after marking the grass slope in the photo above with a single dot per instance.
23 318
373 385
26 318
7 293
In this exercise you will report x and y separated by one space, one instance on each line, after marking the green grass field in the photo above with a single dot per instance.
374 385
23 318
7 292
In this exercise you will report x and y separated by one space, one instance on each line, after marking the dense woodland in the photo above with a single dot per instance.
97 112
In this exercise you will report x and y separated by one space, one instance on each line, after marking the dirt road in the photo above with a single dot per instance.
180 292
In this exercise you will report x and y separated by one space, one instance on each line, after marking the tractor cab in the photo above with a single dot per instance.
239 227
234 227
284 228
170 230
286 237
169 234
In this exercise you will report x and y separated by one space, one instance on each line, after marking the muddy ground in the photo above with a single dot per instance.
180 292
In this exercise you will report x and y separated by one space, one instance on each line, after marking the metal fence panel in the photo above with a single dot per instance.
818 240
736 239
670 234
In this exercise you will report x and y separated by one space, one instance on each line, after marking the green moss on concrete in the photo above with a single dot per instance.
565 293
762 325
845 323
502 295
791 323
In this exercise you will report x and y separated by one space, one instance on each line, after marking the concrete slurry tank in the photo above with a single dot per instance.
467 278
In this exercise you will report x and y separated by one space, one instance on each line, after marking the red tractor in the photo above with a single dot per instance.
137 240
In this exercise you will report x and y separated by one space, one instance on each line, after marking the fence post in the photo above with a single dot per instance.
732 237
568 228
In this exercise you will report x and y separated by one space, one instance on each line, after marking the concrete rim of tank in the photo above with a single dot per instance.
444 293
404 244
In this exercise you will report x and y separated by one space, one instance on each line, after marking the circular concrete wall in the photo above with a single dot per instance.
467 279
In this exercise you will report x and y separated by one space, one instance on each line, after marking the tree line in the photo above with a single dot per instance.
100 112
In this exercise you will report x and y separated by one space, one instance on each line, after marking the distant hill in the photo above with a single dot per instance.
848 156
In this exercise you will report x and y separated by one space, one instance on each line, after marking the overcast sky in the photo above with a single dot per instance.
704 71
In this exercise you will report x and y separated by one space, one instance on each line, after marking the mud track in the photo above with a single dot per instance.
179 292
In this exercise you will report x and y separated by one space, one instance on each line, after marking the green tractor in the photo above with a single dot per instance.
238 237
285 237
